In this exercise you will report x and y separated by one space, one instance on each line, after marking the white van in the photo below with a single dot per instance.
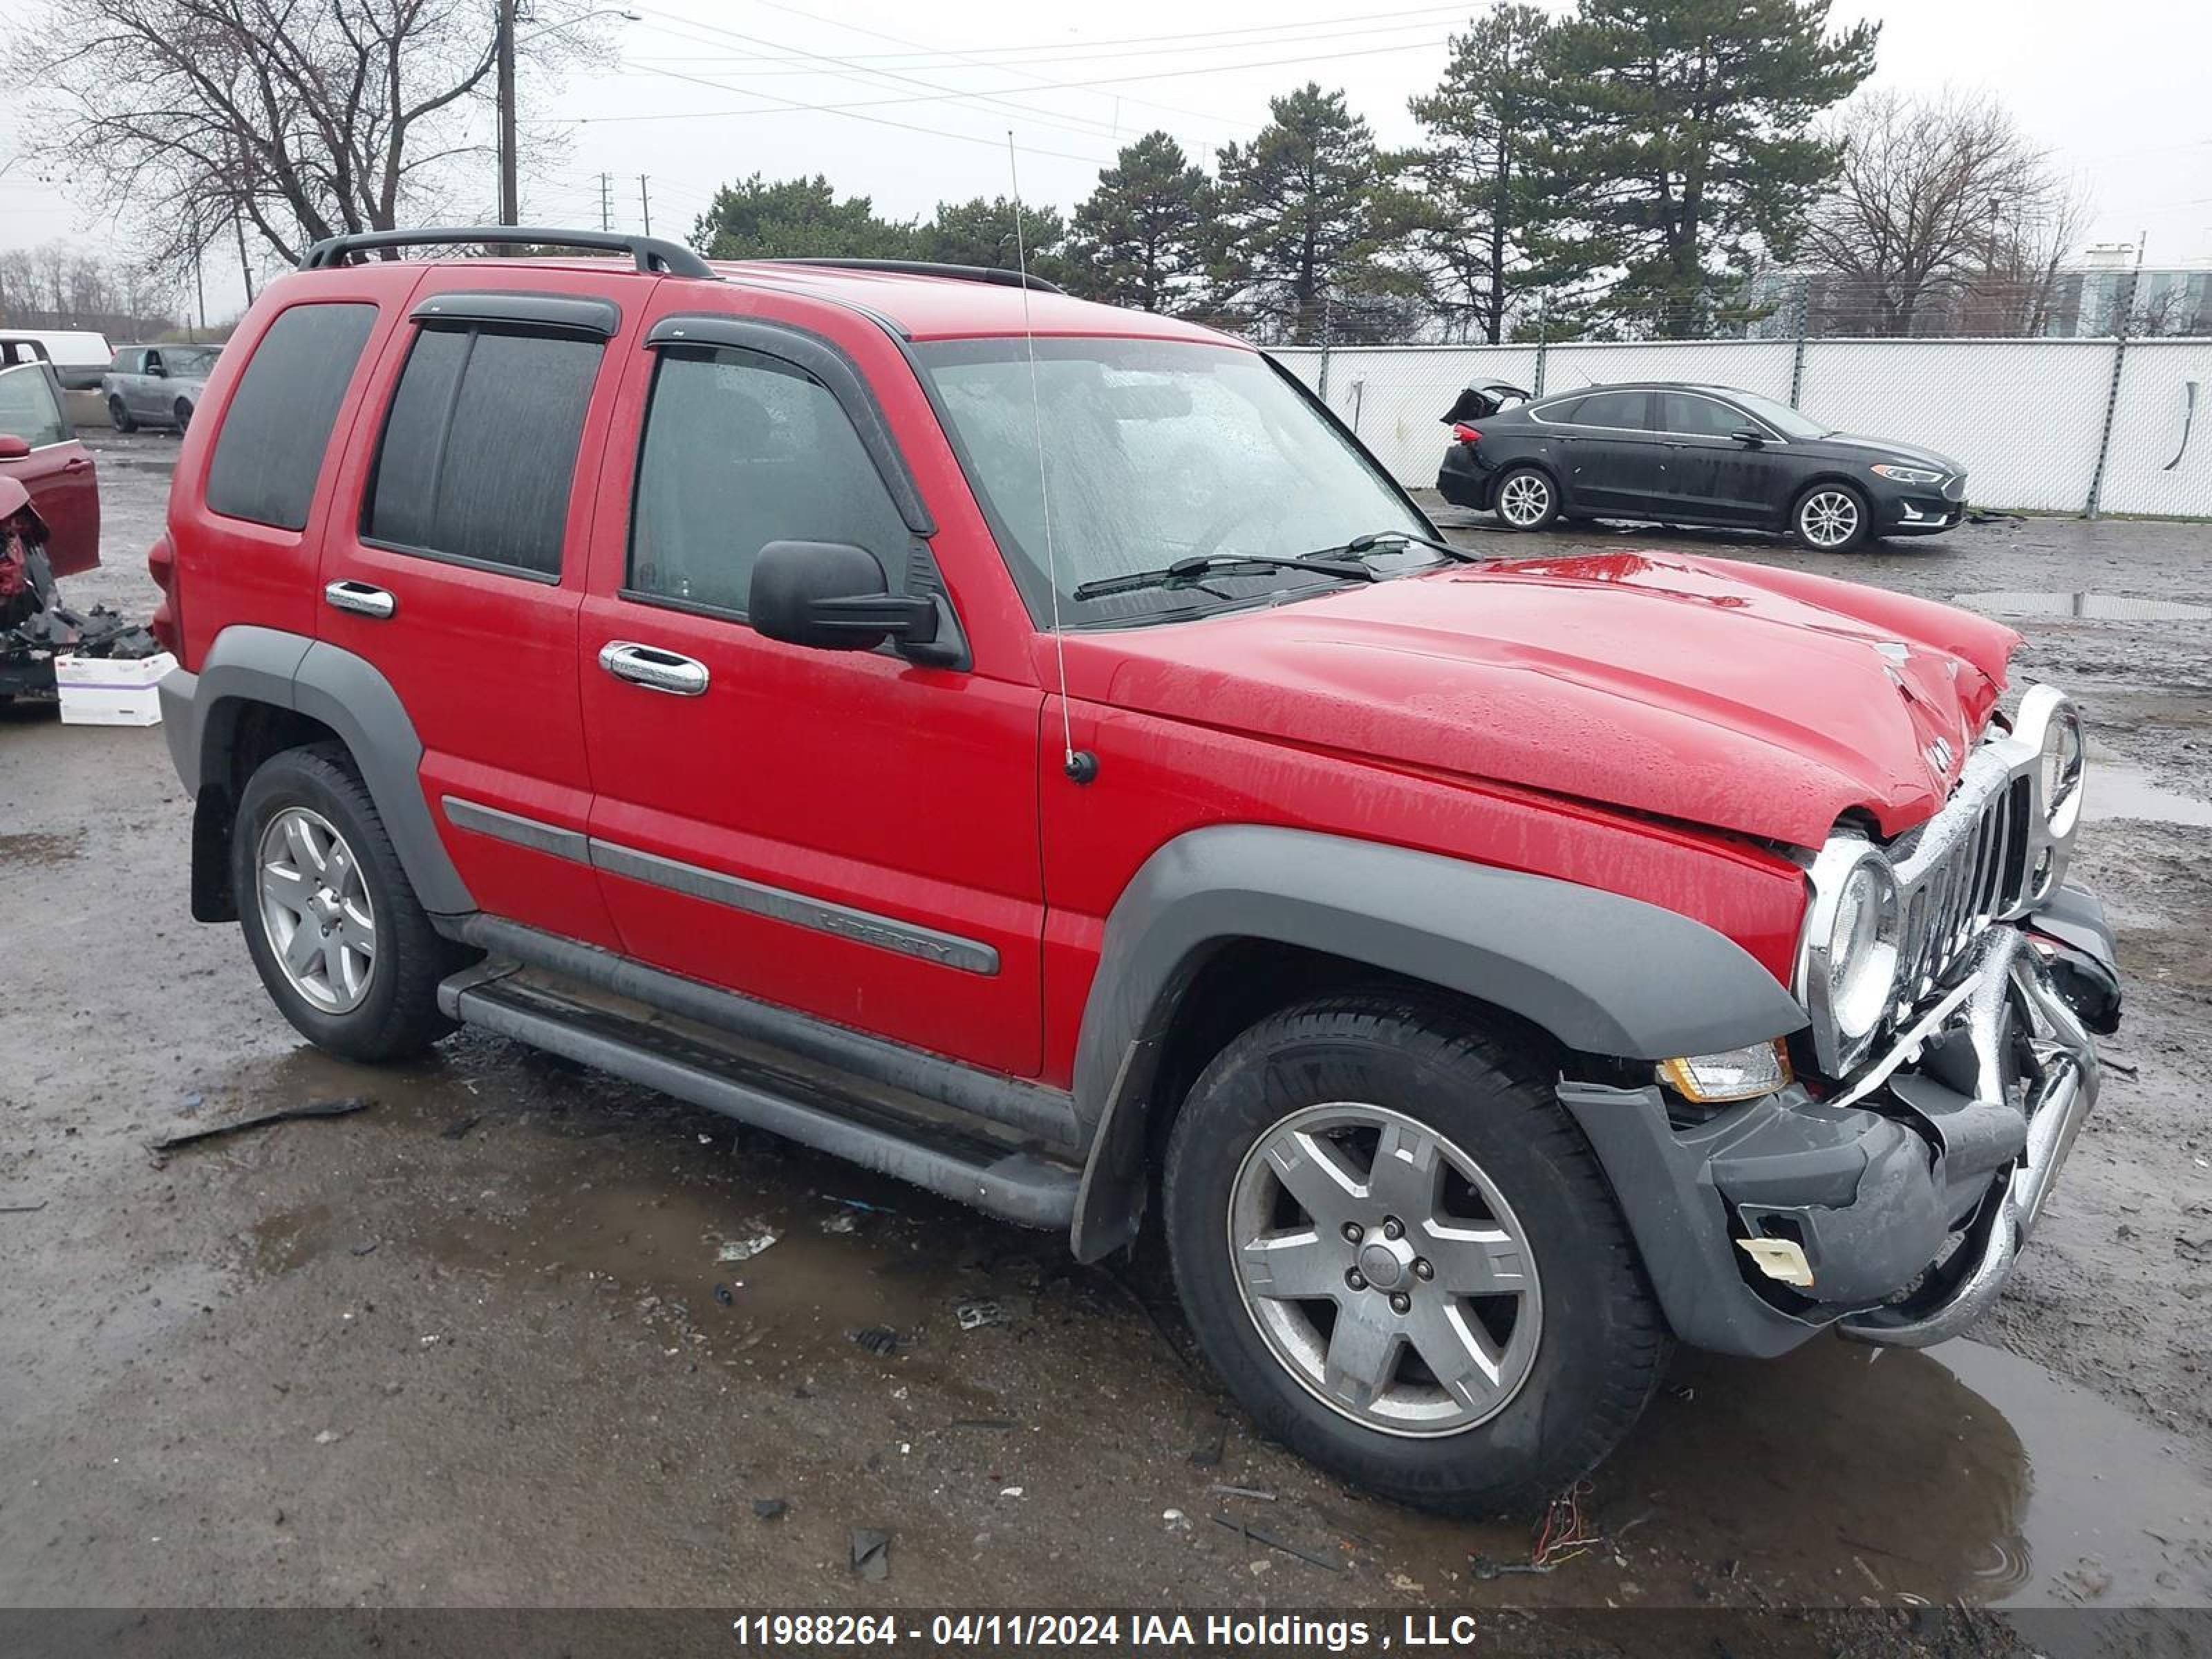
80 356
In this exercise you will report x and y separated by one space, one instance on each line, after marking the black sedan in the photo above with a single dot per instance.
1691 454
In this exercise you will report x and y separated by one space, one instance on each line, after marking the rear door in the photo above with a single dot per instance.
453 563
1615 461
850 834
57 472
1711 474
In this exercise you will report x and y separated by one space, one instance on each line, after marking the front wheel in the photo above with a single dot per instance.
119 415
342 944
1400 1254
183 415
1830 518
1527 499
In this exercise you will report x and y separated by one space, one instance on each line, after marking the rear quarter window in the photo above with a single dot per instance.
279 422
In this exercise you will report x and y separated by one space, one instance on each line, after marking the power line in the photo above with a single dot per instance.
930 98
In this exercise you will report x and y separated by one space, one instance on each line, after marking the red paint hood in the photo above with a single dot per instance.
1736 696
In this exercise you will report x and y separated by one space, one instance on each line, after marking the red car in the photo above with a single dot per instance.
38 450
1032 748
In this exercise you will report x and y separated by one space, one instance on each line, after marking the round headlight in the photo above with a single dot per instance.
1861 953
2065 759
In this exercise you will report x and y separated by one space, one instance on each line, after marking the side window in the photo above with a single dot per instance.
1615 408
125 364
1562 411
741 450
152 363
1702 417
479 448
279 422
28 408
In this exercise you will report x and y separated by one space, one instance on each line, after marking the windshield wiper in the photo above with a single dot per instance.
1376 540
1184 573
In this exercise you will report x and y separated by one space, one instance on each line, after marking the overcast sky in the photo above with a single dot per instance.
705 92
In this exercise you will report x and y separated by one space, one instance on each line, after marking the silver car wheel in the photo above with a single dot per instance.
1384 1270
315 910
1829 517
1524 499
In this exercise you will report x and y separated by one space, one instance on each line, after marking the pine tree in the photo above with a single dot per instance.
1680 134
1140 236
1298 231
1471 202
797 218
981 232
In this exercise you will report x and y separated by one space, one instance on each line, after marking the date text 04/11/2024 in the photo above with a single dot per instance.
1208 1632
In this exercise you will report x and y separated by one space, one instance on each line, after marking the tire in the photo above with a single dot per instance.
183 416
376 1004
120 413
1830 518
1527 498
1569 1386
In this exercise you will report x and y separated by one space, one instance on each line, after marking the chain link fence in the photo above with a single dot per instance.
2089 426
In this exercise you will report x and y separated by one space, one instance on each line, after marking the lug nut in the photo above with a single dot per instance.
1353 1232
1356 1279
1400 1303
1393 1229
1422 1269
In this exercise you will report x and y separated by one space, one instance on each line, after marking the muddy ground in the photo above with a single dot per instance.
474 1345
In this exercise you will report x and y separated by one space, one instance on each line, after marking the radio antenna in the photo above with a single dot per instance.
1080 766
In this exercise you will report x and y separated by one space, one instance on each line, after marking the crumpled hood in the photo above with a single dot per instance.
1746 698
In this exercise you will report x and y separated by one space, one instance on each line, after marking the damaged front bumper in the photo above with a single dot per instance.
1906 1193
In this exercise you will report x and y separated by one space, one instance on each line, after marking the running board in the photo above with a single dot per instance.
816 1107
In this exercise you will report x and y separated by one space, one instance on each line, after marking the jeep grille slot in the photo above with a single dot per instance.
1967 867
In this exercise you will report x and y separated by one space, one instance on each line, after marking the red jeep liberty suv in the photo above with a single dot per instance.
1032 748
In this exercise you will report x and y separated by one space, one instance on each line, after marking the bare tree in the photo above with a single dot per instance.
1935 196
302 118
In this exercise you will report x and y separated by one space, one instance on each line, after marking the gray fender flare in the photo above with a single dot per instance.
1602 973
346 693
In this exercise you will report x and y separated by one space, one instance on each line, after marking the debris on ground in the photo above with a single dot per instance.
880 1341
22 1209
329 1437
1565 1534
367 1247
1254 1535
458 1128
724 1295
871 1553
744 1249
768 1509
843 1222
978 1312
1222 1489
345 1107
1176 1520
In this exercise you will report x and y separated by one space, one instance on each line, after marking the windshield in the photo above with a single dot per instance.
188 362
1157 450
1783 418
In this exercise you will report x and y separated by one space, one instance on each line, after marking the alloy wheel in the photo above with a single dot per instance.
1384 1269
315 909
1524 499
1829 517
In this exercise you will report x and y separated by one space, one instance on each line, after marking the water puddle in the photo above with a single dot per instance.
2087 606
2119 788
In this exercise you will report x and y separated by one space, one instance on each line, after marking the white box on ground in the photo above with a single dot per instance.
110 691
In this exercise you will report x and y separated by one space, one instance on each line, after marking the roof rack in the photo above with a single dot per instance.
928 267
652 252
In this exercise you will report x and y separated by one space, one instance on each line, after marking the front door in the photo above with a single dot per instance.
455 562
1615 462
1711 474
849 834
55 472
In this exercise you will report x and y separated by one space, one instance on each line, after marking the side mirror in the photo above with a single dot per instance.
157 372
833 597
13 448
1745 435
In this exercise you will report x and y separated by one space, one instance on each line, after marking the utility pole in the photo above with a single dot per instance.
606 201
199 284
645 204
510 207
245 265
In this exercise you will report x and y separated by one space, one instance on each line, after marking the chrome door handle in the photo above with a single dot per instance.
361 599
655 670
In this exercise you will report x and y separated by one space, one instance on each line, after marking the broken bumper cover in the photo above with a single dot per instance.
1909 1191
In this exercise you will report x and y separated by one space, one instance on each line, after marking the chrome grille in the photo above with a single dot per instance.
1955 487
1965 868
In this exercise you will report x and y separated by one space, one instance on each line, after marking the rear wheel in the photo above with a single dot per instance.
1398 1251
1527 499
339 938
1830 518
119 412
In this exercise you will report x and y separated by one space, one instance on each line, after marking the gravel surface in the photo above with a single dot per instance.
476 1344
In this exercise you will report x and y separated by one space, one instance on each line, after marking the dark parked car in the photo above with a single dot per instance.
1691 454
